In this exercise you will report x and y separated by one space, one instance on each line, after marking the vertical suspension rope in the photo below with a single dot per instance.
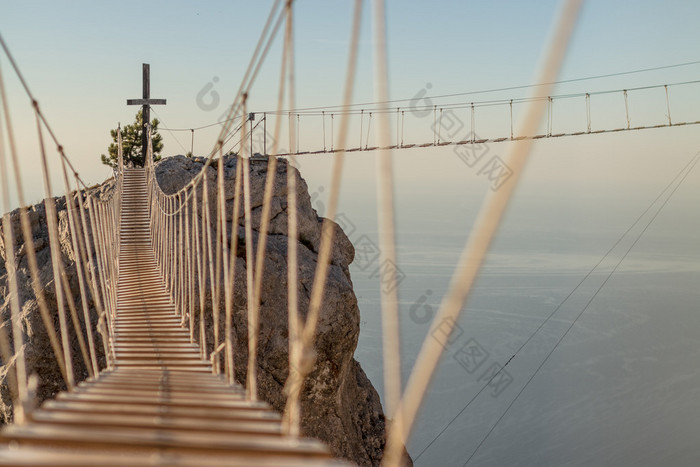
78 251
200 275
293 325
16 380
204 237
230 284
478 243
188 291
101 264
54 244
253 325
180 302
194 278
19 385
627 109
385 218
29 241
75 321
106 223
167 243
208 241
302 356
266 206
94 289
172 247
7 356
286 69
113 236
220 254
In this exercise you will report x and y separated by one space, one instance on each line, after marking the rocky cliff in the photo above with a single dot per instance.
339 404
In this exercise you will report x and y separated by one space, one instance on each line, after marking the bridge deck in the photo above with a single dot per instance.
160 404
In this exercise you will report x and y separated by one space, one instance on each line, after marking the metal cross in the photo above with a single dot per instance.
146 102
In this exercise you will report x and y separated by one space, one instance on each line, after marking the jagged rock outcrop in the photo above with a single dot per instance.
339 404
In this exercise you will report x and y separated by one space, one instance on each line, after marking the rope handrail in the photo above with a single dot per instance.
467 104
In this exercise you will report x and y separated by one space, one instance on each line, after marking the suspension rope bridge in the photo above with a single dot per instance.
153 264
455 123
160 398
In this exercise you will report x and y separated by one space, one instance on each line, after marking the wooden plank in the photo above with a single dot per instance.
124 458
158 422
202 442
254 411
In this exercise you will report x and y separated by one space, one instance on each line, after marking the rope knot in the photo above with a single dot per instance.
297 375
308 360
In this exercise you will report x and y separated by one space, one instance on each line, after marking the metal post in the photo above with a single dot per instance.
251 117
264 133
511 119
291 149
192 143
323 116
588 112
668 106
362 115
397 127
434 123
473 124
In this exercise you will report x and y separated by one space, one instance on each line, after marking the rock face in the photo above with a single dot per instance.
339 404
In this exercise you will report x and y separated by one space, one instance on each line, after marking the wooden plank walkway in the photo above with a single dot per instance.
160 404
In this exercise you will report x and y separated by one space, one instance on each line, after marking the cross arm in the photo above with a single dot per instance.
145 101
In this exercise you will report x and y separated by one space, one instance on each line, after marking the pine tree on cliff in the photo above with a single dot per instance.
131 143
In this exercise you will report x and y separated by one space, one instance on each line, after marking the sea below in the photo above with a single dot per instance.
619 387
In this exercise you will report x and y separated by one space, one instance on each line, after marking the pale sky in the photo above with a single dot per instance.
83 59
